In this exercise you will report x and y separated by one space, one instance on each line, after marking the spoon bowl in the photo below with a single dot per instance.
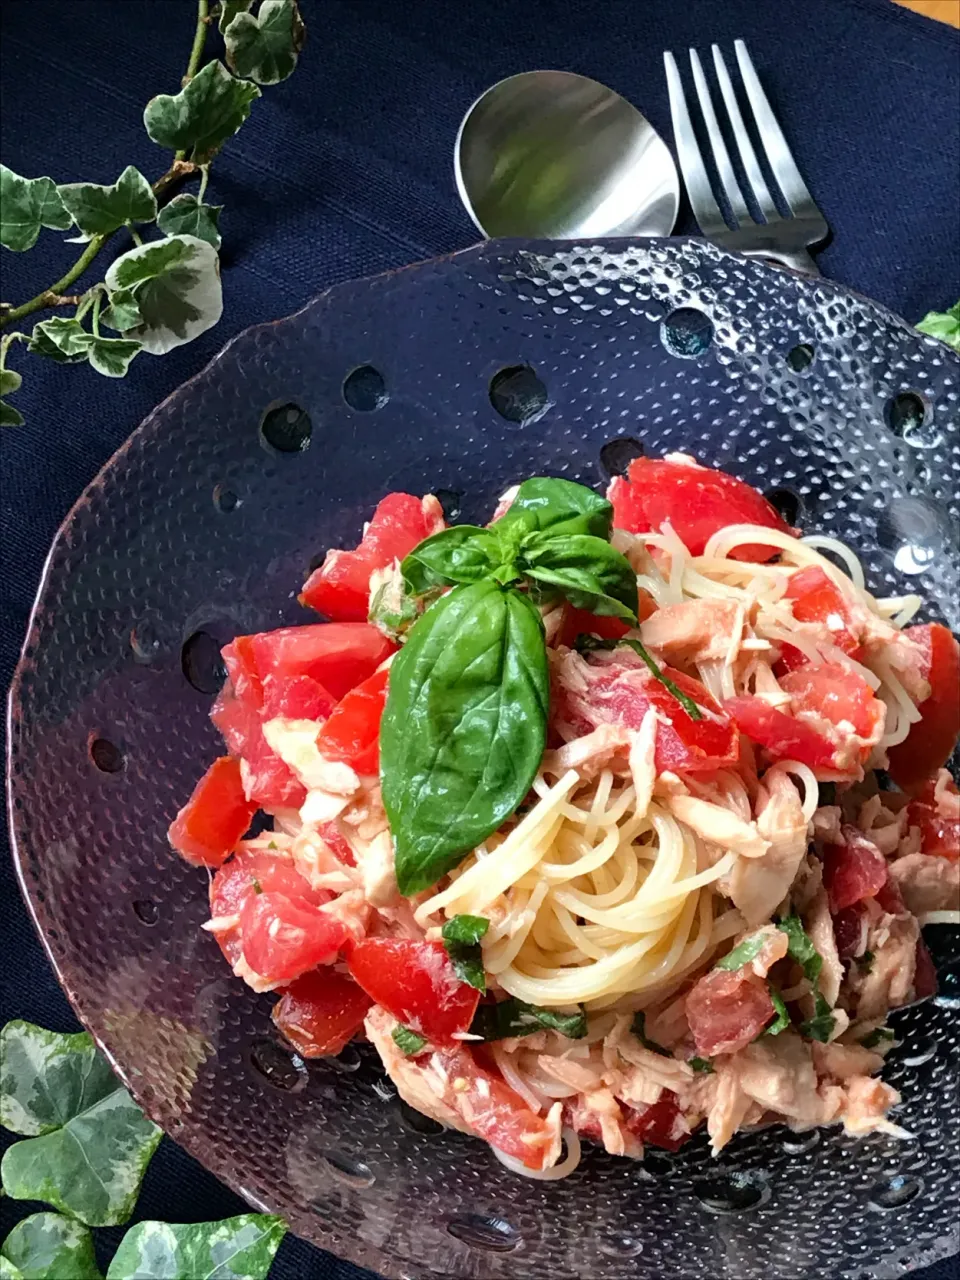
550 153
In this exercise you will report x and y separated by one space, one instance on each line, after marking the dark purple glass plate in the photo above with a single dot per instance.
458 376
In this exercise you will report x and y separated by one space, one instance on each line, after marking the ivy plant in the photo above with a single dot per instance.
85 1149
164 289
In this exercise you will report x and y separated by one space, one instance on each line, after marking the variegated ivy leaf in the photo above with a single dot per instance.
265 48
176 284
8 1271
229 10
123 312
62 339
26 205
97 210
91 1142
112 356
10 381
239 1248
48 1246
186 215
203 115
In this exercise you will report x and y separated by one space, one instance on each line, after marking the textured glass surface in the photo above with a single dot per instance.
207 520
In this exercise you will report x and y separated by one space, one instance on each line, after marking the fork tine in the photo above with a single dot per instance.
720 154
771 135
747 154
705 208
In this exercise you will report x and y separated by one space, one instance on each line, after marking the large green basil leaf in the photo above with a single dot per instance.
463 553
240 1248
464 727
586 570
49 1246
560 506
91 1144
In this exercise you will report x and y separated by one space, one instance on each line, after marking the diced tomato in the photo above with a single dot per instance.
784 736
493 1110
854 870
727 1009
939 835
282 939
213 821
237 720
661 1123
296 698
352 734
241 667
340 588
337 843
816 598
697 501
416 982
337 654
932 739
266 778
925 973
889 898
237 881
321 1012
848 930
836 694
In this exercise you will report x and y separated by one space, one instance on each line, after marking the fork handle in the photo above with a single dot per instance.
796 259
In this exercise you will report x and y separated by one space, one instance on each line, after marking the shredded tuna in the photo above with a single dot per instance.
758 885
927 883
696 631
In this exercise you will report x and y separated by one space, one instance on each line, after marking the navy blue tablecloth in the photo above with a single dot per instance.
345 170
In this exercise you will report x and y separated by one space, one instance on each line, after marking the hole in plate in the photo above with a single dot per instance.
346 1061
912 532
286 429
106 755
905 413
894 1192
787 502
345 1169
201 663
616 455
800 357
284 1070
618 1245
450 500
796 1144
491 1234
225 499
365 390
147 912
657 1166
686 332
417 1122
518 395
734 1192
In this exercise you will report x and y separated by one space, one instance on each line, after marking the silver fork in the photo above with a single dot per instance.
783 239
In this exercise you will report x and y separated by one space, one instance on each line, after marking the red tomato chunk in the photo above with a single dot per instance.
266 778
783 736
836 694
939 834
239 879
416 982
816 598
661 1123
339 655
282 938
933 737
727 1009
215 818
296 698
352 734
321 1012
853 870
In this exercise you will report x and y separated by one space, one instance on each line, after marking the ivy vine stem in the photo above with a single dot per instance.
196 51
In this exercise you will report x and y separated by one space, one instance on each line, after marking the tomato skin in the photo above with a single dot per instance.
337 654
215 818
697 501
416 982
932 739
296 698
321 1012
661 1123
837 694
727 1009
282 938
848 930
852 871
266 778
352 733
236 881
340 588
816 598
783 736
939 835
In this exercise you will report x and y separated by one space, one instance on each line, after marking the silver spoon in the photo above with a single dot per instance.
552 154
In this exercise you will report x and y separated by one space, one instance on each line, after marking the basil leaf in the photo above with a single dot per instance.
820 1026
782 1020
703 1066
461 936
563 507
743 954
237 1247
586 570
91 1144
588 644
49 1246
638 1027
879 1035
464 726
466 929
392 611
512 1018
465 553
800 948
865 962
407 1041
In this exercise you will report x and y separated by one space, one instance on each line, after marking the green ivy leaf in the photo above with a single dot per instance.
229 10
26 205
48 1246
8 1271
176 284
122 313
944 325
10 381
98 210
265 48
89 1145
241 1248
62 339
112 356
186 215
203 115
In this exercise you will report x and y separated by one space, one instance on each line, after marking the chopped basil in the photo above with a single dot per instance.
703 1066
820 1026
865 962
801 949
638 1027
782 1020
748 950
466 929
407 1041
514 1017
879 1035
272 844
461 937
257 886
587 644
